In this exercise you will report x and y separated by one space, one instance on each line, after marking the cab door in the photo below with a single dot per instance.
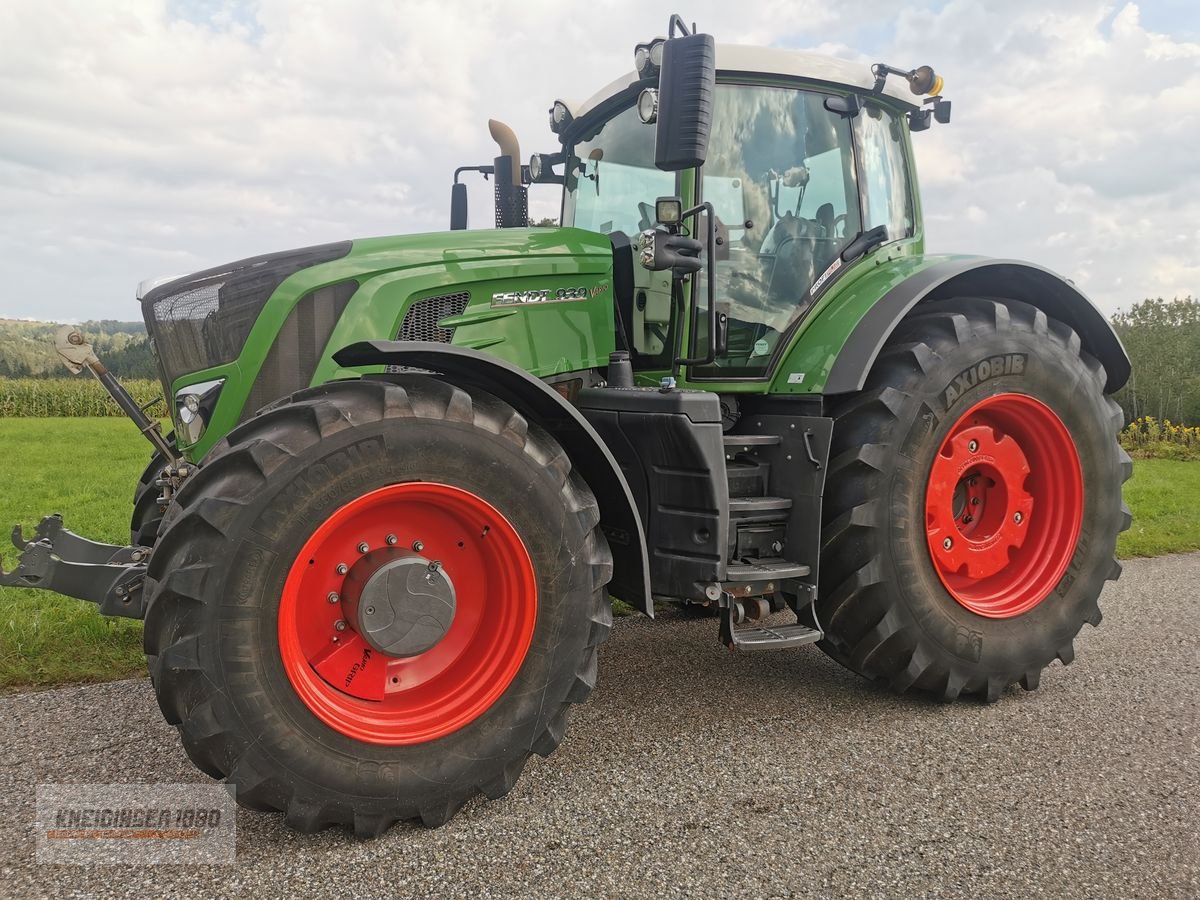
781 176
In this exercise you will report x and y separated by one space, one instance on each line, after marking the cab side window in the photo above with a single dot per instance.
883 171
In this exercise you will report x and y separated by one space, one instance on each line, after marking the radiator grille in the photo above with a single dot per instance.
299 345
203 320
421 321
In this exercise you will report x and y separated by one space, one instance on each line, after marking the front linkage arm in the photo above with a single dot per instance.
61 561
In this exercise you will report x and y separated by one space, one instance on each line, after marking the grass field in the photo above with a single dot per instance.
86 469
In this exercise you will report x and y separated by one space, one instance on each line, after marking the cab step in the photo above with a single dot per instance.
748 443
773 637
769 569
747 507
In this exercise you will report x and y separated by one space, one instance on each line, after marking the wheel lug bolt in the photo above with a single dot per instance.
391 540
342 568
435 565
1018 518
973 446
333 597
418 546
363 547
947 544
339 625
974 501
370 610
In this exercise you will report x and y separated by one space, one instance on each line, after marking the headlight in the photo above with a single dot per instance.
656 52
560 116
647 58
641 58
535 167
647 106
194 407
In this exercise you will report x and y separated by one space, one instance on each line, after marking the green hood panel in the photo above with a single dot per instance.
393 273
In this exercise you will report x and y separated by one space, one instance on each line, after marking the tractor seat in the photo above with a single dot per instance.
792 266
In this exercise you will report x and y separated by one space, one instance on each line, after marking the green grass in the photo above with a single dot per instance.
86 469
1164 495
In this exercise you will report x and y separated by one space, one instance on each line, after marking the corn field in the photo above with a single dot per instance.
82 396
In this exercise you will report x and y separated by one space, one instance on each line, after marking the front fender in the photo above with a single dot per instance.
540 403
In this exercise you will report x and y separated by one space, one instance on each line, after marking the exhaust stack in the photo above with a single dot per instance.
512 197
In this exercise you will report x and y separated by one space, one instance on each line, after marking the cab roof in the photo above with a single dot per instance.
774 61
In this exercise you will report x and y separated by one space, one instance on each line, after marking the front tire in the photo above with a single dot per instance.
147 513
973 405
249 636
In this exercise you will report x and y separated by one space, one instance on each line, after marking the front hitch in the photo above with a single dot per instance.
59 560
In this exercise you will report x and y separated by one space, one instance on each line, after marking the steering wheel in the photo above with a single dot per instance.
839 221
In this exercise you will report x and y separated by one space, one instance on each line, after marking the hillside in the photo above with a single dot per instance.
26 348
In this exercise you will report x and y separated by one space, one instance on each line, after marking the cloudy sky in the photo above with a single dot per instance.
153 137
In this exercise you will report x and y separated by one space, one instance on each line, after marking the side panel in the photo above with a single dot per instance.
669 446
542 404
835 354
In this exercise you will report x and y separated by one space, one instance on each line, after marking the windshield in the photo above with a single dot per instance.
611 179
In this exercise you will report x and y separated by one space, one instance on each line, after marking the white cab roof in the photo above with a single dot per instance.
774 61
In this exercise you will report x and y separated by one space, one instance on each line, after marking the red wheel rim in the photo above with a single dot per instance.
381 699
1003 505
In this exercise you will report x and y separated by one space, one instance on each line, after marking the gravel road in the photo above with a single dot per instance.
695 772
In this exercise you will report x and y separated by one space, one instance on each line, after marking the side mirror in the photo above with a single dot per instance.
458 207
686 85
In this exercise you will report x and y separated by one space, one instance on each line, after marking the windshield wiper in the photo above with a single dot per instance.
865 241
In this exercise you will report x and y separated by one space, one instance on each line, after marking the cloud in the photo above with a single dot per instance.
1075 129
145 137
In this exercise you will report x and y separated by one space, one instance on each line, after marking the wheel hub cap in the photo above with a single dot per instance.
978 500
1004 505
401 603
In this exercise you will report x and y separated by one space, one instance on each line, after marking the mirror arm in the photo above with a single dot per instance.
485 171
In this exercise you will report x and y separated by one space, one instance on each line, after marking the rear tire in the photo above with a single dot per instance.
242 530
892 607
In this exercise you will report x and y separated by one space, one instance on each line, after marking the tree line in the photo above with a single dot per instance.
26 348
1163 341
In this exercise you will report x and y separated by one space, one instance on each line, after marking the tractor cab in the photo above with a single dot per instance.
799 164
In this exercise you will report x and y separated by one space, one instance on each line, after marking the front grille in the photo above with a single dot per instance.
184 327
421 321
300 344
203 320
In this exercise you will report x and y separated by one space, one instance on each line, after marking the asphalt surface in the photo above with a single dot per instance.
694 772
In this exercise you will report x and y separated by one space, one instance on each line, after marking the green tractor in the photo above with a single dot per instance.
375 558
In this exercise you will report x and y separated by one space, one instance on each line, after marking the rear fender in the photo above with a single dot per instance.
540 403
976 277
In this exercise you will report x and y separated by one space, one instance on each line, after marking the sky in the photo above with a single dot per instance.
142 138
